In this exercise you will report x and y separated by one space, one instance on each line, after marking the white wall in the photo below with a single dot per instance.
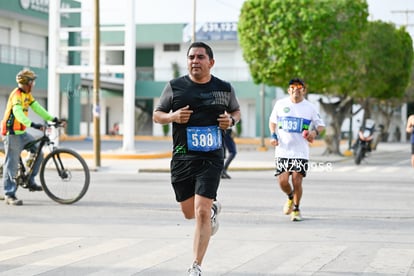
229 66
229 63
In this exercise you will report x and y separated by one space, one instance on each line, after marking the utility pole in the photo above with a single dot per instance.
193 36
129 79
406 12
262 127
96 88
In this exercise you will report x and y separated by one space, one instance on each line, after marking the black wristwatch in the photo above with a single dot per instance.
233 122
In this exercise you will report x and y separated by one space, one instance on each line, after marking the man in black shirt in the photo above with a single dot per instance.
200 107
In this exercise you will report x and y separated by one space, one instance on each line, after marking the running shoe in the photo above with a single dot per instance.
225 175
288 208
194 270
12 200
214 219
295 216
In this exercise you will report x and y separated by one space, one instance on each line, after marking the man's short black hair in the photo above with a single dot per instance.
202 45
297 80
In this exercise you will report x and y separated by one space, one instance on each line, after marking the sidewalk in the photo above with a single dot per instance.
153 154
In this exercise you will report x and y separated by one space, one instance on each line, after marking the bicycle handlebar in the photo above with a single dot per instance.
56 124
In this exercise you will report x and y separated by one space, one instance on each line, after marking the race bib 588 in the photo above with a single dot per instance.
204 138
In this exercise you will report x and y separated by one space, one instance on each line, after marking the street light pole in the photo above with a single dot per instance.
193 36
96 86
262 134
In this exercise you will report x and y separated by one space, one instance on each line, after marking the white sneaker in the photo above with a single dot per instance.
194 270
214 219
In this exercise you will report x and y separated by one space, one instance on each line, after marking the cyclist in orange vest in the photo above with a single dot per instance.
15 137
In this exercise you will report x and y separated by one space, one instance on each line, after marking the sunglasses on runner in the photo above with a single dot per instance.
296 85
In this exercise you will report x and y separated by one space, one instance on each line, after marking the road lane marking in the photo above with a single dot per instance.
29 249
145 261
4 239
48 264
391 261
309 261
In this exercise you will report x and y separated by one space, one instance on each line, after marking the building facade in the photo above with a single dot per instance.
160 56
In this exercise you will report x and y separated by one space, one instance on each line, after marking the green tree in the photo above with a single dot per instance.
388 58
409 92
316 40
309 38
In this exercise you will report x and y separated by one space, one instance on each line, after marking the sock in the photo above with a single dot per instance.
212 212
296 208
290 196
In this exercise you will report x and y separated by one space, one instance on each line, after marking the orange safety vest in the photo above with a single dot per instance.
9 123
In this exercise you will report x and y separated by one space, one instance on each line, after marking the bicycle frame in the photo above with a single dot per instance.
23 173
64 174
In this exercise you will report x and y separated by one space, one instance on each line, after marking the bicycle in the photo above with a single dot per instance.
64 174
2 161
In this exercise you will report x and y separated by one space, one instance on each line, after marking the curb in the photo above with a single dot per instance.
234 169
255 143
128 156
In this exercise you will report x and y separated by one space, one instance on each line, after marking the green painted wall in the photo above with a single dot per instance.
144 57
147 33
39 11
75 110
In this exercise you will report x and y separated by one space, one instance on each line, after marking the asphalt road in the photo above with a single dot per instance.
358 220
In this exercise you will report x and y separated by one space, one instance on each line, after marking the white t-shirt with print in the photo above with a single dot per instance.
291 119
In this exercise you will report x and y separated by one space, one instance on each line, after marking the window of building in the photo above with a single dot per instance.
171 47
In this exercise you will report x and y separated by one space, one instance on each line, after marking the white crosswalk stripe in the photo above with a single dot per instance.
391 261
64 259
226 257
31 248
4 239
142 262
309 261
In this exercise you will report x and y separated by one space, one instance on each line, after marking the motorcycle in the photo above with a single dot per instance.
363 143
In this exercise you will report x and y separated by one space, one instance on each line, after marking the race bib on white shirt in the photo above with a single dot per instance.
293 124
204 138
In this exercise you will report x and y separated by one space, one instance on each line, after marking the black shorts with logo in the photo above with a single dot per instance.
190 177
291 165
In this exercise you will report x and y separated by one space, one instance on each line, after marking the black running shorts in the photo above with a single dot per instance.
291 165
190 177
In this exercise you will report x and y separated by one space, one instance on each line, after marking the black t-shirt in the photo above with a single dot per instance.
207 101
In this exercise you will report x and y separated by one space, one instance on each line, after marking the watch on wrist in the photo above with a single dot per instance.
233 122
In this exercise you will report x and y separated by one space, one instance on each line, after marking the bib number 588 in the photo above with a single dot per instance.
203 138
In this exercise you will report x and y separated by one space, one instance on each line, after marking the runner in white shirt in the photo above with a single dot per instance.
294 122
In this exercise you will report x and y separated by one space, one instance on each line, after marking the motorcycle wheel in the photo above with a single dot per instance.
359 153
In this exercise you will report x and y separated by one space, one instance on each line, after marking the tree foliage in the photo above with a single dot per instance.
330 44
388 57
386 71
313 39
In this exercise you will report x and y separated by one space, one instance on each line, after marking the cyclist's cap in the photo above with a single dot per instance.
25 76
297 80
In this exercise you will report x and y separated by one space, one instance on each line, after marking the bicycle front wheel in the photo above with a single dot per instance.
65 176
